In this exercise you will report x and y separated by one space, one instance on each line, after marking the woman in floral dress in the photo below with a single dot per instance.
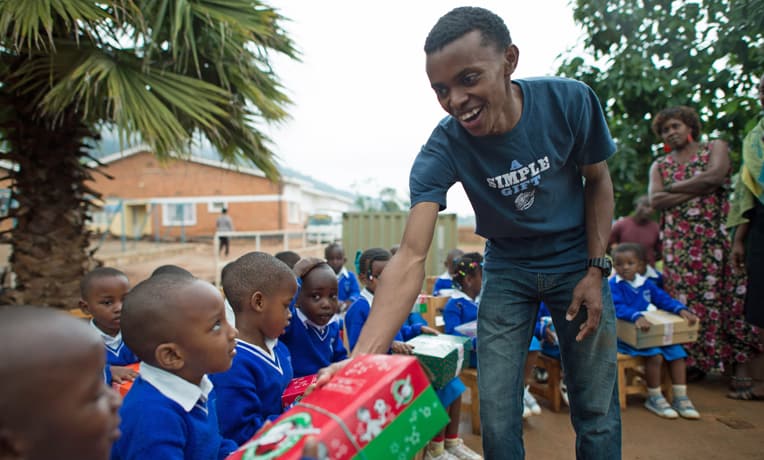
690 186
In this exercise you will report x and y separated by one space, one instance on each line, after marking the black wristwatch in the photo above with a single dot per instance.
603 263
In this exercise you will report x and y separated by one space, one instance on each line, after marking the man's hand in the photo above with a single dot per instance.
643 324
689 316
588 293
402 348
325 374
429 330
121 374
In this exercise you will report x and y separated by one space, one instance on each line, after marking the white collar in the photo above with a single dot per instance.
343 273
112 342
368 295
270 345
650 272
307 322
445 275
637 282
458 294
183 392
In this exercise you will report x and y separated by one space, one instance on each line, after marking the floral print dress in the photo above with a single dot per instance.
697 269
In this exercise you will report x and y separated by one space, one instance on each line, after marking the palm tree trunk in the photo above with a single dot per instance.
50 240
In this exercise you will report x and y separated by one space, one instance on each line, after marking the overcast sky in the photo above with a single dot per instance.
363 106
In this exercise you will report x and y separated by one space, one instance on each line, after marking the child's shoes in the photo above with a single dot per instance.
660 407
458 449
684 407
435 451
530 402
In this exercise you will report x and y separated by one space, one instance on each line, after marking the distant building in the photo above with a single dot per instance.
184 197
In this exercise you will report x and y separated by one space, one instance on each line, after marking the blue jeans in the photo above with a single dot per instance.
506 318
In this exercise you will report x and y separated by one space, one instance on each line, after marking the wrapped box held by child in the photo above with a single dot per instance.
443 355
296 388
376 407
667 329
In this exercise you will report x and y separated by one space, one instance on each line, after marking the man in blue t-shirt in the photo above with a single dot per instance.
531 155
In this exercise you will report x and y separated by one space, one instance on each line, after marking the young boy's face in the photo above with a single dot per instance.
336 259
78 414
318 295
204 337
275 308
104 302
626 265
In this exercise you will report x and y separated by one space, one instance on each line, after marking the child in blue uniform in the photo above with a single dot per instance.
176 325
444 285
313 336
347 284
53 401
462 307
101 294
260 289
633 294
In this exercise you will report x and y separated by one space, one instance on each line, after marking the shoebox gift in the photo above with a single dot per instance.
296 388
376 407
125 386
444 356
666 329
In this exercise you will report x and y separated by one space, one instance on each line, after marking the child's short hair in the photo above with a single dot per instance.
171 269
367 259
332 247
101 272
148 309
288 257
636 248
468 264
254 271
307 265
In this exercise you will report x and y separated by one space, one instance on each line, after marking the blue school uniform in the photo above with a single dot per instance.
654 275
250 391
347 286
312 346
117 353
631 299
442 283
164 416
358 312
543 322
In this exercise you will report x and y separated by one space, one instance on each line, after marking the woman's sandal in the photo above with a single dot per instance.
742 389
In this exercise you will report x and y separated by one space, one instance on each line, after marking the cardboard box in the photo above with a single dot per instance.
667 329
296 388
430 307
376 407
443 355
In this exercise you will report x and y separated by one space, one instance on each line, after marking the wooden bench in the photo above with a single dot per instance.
551 389
631 378
470 379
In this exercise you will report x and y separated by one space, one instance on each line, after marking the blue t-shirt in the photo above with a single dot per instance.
525 185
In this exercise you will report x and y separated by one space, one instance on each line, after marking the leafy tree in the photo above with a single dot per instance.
161 71
646 55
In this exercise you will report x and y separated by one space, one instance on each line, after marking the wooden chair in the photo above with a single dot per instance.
551 389
429 283
469 377
631 378
434 308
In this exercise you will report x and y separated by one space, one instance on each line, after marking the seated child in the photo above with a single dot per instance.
314 336
462 307
176 325
550 344
371 263
443 284
447 443
260 288
288 257
101 294
347 284
53 401
633 294
170 269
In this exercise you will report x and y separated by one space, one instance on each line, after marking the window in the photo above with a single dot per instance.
216 206
177 214
293 212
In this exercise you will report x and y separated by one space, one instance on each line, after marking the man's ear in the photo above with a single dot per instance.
511 56
11 447
169 356
256 301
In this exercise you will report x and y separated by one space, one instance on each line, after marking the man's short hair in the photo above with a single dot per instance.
463 20
254 271
149 310
101 272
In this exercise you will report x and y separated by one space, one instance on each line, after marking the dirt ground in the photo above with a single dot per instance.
727 430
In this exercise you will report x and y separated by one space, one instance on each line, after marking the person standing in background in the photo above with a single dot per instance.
224 224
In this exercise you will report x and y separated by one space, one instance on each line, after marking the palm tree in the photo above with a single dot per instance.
162 72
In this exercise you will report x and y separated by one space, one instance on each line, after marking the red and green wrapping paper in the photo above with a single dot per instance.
296 388
443 355
377 407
